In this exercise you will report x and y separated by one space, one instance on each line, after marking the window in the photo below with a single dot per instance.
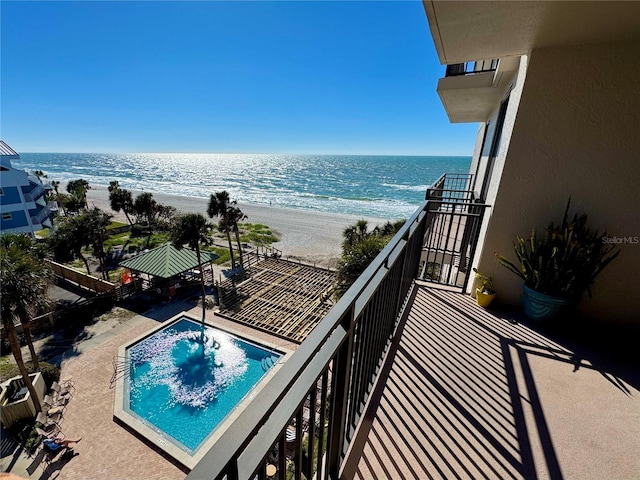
1 191
6 216
495 146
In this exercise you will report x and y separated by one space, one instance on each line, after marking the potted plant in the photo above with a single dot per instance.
558 266
484 292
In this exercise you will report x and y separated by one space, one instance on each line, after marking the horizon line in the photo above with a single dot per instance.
250 153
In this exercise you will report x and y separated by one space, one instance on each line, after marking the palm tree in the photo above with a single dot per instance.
219 206
359 248
120 199
24 280
69 238
236 216
95 222
193 229
355 259
79 188
355 233
146 208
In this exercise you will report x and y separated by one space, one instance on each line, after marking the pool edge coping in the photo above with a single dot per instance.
161 442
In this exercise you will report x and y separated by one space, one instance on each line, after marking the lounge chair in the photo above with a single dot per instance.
68 383
42 434
53 433
49 403
61 392
49 422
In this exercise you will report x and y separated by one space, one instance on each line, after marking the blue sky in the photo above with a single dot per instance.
228 77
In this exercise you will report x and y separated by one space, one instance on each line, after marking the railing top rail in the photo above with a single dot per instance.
440 190
458 202
455 175
268 402
455 178
471 67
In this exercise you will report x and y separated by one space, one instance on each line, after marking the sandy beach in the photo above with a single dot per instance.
312 237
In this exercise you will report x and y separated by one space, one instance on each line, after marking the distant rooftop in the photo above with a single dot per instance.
167 261
7 151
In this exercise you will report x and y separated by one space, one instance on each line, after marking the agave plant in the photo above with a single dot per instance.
565 260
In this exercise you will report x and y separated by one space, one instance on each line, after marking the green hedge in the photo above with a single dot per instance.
50 372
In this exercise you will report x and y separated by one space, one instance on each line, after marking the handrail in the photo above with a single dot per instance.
33 194
40 216
347 345
471 68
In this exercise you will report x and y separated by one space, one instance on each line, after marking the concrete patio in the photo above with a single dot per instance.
470 393
108 450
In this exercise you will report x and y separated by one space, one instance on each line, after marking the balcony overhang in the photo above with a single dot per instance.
467 30
471 97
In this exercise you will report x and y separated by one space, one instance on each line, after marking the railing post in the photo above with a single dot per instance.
341 376
473 235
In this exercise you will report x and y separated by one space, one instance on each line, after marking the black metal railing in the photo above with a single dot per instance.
452 229
451 186
304 418
471 68
301 423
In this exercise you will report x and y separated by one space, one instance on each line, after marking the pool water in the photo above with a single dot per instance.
184 383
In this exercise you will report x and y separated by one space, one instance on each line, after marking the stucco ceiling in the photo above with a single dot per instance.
478 30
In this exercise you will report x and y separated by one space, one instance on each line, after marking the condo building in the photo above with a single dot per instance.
23 204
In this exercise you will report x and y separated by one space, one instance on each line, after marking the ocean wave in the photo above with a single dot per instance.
376 186
409 188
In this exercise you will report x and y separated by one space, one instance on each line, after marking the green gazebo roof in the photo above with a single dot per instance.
167 261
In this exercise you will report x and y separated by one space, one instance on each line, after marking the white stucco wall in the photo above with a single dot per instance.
484 255
475 158
576 133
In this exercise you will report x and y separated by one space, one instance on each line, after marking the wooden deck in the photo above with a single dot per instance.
470 393
282 298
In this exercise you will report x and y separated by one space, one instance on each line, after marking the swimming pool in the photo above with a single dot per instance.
183 382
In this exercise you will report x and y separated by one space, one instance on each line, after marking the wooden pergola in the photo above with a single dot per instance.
283 298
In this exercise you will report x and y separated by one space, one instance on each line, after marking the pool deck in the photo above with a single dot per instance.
108 450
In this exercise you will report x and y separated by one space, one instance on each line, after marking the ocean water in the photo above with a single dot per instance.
376 186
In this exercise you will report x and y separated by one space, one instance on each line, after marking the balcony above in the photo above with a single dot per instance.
42 217
470 91
465 30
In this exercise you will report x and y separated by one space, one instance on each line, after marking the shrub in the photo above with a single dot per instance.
50 372
24 432
256 233
359 247
139 230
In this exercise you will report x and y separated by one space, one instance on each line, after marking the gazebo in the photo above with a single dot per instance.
165 268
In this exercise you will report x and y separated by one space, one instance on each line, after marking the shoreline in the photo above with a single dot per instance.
312 237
